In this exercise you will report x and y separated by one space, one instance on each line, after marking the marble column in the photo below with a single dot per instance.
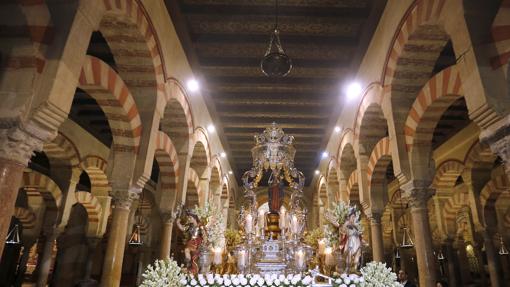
112 267
377 237
166 235
452 263
16 148
493 261
46 260
418 196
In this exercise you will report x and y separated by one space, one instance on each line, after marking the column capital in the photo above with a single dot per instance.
417 192
375 217
124 198
168 217
18 143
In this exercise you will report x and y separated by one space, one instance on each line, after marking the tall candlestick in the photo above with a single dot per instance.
241 259
322 246
299 257
249 223
217 258
329 260
294 224
282 218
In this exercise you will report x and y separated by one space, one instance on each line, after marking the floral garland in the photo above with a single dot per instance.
166 273
256 280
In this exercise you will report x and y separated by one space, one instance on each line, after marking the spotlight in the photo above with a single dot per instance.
337 129
193 85
230 172
353 90
317 172
211 128
223 155
325 154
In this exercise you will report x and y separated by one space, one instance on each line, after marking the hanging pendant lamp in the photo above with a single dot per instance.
502 249
13 237
136 236
275 63
440 255
407 240
397 253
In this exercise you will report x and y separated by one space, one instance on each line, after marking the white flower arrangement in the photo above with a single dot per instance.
376 274
164 273
213 218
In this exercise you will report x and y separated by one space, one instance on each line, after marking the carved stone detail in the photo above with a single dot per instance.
124 198
18 145
417 193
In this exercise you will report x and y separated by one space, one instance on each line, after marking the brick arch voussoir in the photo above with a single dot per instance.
26 217
39 185
62 151
432 101
101 82
353 186
93 208
447 174
135 13
381 152
168 160
501 36
95 167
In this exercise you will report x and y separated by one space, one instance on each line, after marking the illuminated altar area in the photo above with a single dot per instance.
271 246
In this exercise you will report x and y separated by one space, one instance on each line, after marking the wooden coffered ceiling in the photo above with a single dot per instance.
225 40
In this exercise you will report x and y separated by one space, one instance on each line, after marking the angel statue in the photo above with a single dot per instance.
194 232
351 241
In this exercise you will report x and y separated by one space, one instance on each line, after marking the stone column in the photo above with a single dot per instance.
46 260
16 148
418 197
493 262
377 237
166 235
112 267
452 263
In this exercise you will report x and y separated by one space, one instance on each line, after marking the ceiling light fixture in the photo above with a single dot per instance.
325 154
193 85
211 128
337 129
317 172
353 90
230 172
277 63
223 155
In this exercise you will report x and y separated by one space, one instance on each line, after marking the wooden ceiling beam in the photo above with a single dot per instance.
264 125
270 114
243 61
339 40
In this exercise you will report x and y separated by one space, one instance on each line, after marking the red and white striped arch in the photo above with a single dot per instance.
501 36
454 203
353 186
168 161
177 93
193 193
447 174
433 100
134 11
37 184
373 95
423 12
95 167
62 151
493 189
101 82
92 207
26 217
379 159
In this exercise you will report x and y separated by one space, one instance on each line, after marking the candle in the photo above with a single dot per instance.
294 225
282 218
249 223
328 251
241 259
261 220
322 246
218 255
299 257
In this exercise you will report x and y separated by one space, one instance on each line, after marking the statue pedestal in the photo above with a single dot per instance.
273 225
271 259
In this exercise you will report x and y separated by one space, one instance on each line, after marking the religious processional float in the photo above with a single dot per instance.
271 246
